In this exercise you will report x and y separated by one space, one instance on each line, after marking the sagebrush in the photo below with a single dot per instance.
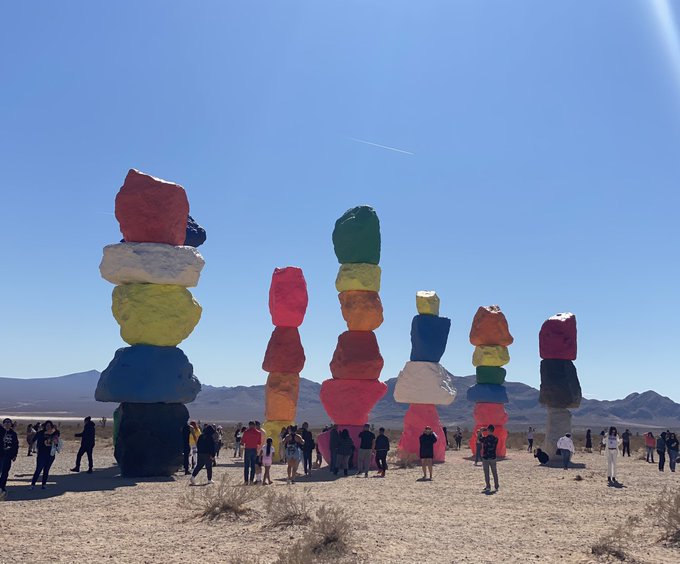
283 510
223 499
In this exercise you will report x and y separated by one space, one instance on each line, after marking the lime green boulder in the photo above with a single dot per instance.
356 237
490 375
361 276
155 314
490 355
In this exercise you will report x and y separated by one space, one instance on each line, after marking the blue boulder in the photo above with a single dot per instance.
487 393
148 374
196 235
429 334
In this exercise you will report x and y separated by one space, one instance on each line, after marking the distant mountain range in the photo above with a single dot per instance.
73 396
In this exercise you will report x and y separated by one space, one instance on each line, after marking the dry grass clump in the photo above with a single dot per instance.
610 545
287 509
328 539
224 499
667 511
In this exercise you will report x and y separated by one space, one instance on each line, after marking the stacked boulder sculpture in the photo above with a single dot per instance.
491 337
354 389
152 268
560 388
423 382
285 357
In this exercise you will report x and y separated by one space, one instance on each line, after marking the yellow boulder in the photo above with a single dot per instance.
155 314
490 355
427 302
358 276
273 430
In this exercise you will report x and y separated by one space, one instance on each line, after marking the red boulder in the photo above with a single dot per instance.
349 402
557 338
288 297
418 416
151 210
357 357
490 414
502 434
284 351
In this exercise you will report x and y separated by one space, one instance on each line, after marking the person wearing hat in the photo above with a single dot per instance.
566 448
9 448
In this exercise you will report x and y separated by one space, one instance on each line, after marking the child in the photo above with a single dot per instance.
267 458
258 467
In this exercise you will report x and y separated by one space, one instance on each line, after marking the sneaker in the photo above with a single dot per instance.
74 470
486 490
192 481
495 488
89 471
210 482
366 475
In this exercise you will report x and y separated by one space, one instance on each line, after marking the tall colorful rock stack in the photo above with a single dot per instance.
491 337
152 379
285 357
560 388
354 389
424 383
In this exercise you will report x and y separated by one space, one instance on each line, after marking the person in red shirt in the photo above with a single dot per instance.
250 441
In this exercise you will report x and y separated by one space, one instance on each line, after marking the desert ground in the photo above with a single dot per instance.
540 514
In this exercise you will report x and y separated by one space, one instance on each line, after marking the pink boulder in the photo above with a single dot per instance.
357 357
502 434
151 210
418 416
349 402
323 440
288 297
557 338
284 351
490 414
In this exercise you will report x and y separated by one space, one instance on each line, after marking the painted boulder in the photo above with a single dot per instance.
349 402
490 414
490 375
284 351
273 429
155 314
489 327
559 384
357 357
487 355
500 432
487 393
362 276
151 210
195 235
280 396
424 383
356 237
427 302
362 311
429 335
557 337
148 374
416 419
288 297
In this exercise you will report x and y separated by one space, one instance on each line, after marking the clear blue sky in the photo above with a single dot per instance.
543 176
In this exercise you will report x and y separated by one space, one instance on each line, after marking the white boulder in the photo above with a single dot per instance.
424 382
151 263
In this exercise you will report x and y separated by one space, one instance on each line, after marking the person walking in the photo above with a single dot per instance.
217 437
9 449
650 445
194 434
566 447
530 439
49 444
345 449
613 441
205 454
382 447
366 446
489 444
603 440
268 452
293 444
625 436
446 437
307 449
458 437
672 446
333 445
282 449
589 441
661 450
87 440
30 434
427 441
251 441
478 446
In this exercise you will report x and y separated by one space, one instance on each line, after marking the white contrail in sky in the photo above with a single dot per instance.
663 13
381 146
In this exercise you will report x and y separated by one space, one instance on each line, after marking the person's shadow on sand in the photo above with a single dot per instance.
106 479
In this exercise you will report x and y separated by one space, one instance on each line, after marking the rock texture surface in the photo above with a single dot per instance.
195 234
490 375
357 357
487 393
288 297
358 277
151 263
558 423
429 334
415 420
489 327
356 237
557 337
281 396
349 401
363 311
427 302
284 351
559 384
424 383
487 355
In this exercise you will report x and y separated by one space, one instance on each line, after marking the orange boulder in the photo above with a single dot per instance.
361 310
489 327
281 396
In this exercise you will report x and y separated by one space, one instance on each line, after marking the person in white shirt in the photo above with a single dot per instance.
566 447
612 444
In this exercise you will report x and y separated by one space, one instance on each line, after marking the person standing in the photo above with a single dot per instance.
344 451
613 441
478 446
566 447
186 449
205 451
530 439
366 446
661 450
217 437
458 437
267 461
333 445
194 434
382 447
626 442
427 440
30 434
238 433
307 449
603 440
9 449
650 444
589 441
672 446
49 445
293 444
282 449
446 437
263 433
87 440
251 441
489 445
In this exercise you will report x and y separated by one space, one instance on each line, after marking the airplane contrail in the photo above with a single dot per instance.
381 146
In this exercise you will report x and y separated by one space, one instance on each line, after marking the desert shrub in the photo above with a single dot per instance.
224 499
610 545
287 509
667 511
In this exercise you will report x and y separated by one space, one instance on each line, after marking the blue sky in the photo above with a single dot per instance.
543 175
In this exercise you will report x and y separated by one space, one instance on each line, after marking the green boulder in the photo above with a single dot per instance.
356 237
490 375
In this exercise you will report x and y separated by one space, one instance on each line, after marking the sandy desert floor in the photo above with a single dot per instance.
540 514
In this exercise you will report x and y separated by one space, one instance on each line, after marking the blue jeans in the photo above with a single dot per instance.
566 457
249 458
672 457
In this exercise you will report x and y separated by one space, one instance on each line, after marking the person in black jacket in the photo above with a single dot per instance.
333 445
307 448
48 442
86 445
186 448
427 440
489 445
9 448
206 451
382 447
